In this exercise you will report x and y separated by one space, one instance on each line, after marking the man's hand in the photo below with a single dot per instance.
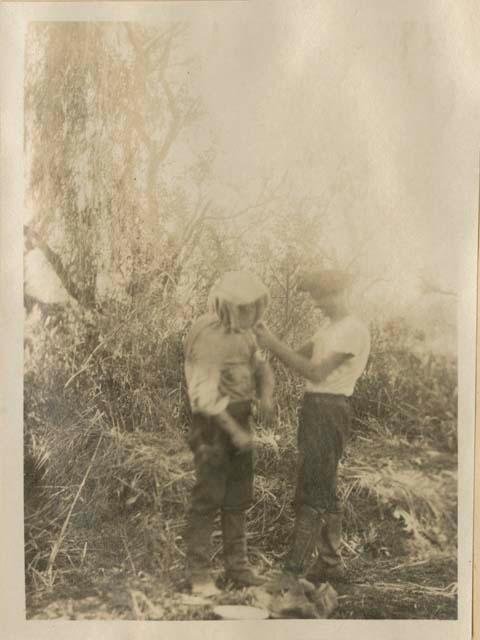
264 336
242 440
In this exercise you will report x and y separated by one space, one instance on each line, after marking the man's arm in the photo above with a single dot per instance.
265 383
297 361
202 382
240 438
306 350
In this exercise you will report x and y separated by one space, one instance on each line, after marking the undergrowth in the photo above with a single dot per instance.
108 470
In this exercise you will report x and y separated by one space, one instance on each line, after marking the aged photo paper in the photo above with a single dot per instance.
476 502
239 247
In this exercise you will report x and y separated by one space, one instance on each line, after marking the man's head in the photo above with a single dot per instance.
328 289
247 316
239 299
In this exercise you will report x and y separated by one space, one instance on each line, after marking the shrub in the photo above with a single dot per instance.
106 411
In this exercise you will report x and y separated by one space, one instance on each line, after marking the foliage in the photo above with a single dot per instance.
398 481
409 388
105 109
127 210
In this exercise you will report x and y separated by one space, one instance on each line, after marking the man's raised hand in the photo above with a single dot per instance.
263 334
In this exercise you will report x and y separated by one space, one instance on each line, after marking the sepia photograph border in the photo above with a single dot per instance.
13 624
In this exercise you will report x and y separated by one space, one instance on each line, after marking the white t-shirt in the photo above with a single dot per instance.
348 335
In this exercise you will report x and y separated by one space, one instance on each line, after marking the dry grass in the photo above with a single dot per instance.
108 470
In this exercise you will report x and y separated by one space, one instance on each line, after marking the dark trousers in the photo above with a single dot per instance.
224 476
324 427
224 481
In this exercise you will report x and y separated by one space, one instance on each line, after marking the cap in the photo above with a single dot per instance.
240 288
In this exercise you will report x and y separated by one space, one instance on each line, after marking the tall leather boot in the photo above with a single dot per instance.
303 540
328 566
237 568
198 535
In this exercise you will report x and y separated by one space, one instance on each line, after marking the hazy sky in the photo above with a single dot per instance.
384 92
379 96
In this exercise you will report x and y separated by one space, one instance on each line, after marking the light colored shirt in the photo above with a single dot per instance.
220 365
348 336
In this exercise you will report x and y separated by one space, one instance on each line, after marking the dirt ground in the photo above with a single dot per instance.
375 590
386 578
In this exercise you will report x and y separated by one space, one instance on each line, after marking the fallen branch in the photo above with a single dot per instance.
418 563
128 554
448 592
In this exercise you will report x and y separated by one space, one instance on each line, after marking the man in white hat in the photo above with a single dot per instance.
331 363
225 373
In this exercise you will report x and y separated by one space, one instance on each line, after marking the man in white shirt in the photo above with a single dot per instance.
331 363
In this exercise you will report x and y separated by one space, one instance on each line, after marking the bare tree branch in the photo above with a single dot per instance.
242 212
262 201
428 286
82 297
132 36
